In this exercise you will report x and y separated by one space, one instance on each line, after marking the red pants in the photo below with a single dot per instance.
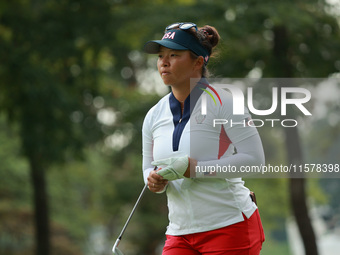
243 238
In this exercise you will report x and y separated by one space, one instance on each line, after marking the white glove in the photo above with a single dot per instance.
172 168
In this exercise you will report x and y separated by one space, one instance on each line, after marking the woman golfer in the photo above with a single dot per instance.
210 212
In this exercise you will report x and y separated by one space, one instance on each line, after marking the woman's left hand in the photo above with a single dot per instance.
176 168
172 168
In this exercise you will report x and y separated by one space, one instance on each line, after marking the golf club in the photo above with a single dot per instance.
115 249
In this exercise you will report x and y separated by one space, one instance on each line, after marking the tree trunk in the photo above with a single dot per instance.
298 195
283 68
41 213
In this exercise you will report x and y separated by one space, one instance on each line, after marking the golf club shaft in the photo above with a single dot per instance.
132 212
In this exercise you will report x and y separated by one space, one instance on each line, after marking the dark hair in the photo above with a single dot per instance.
208 38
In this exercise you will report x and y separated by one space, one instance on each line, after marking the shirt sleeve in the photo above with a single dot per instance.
249 153
147 145
147 148
244 137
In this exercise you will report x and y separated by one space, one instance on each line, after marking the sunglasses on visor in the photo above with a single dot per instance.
181 25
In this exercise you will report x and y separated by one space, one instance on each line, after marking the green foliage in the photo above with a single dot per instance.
275 247
47 65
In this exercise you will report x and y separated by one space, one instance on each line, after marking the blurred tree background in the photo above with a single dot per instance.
75 87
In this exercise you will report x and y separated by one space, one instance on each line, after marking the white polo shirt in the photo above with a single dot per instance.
201 204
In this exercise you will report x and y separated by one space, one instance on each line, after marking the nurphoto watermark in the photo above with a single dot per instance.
224 110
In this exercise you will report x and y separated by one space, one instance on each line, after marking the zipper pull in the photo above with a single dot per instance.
180 120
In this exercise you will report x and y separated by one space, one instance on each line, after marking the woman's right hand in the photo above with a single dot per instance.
156 183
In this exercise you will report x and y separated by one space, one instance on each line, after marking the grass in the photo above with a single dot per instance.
272 247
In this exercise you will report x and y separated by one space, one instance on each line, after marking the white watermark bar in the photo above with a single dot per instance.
226 113
311 170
